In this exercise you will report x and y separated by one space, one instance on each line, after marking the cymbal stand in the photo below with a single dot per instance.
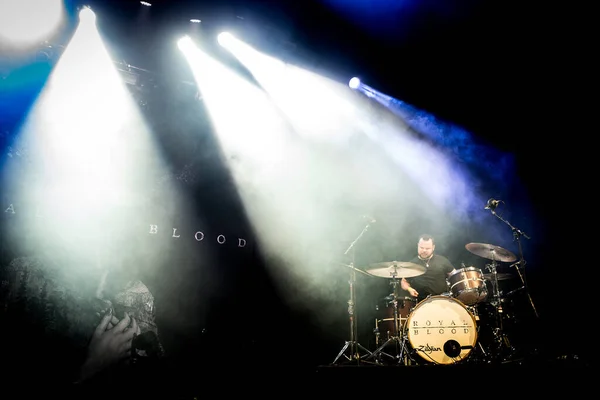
395 338
500 337
352 346
517 233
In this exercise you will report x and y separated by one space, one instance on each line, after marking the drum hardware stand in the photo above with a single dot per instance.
390 299
517 233
352 346
395 337
483 352
479 353
473 310
515 291
500 338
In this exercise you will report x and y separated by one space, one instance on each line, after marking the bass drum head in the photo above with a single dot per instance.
441 330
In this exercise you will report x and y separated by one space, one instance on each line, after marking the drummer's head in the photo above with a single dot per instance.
425 246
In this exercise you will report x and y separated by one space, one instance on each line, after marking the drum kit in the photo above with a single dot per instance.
445 328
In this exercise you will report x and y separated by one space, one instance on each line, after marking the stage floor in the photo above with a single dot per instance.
270 376
528 376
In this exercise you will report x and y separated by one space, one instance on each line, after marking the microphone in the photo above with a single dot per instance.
492 204
452 348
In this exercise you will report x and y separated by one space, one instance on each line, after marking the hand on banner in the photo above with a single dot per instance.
110 344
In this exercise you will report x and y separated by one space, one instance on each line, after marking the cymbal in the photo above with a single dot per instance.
501 277
353 268
395 269
491 252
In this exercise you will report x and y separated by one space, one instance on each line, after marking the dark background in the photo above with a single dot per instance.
496 69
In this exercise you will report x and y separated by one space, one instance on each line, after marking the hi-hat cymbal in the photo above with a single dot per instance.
395 269
491 252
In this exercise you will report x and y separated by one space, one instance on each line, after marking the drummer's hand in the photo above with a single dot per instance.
413 292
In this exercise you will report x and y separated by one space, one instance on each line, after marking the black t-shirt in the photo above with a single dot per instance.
433 281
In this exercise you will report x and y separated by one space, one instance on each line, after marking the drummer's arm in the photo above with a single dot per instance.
406 286
453 269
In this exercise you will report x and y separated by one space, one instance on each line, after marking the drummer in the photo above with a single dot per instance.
437 268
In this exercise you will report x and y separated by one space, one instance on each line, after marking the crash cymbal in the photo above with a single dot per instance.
491 252
352 267
501 277
395 269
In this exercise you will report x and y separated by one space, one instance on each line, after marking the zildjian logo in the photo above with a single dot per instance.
428 349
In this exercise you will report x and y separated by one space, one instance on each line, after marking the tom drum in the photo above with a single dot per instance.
468 285
384 321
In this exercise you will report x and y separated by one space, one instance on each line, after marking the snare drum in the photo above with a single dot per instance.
441 330
468 285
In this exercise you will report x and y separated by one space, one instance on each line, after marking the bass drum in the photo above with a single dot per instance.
441 330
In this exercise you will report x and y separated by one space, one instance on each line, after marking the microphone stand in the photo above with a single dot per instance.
352 345
517 233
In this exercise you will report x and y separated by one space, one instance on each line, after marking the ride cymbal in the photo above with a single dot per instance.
491 252
395 269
